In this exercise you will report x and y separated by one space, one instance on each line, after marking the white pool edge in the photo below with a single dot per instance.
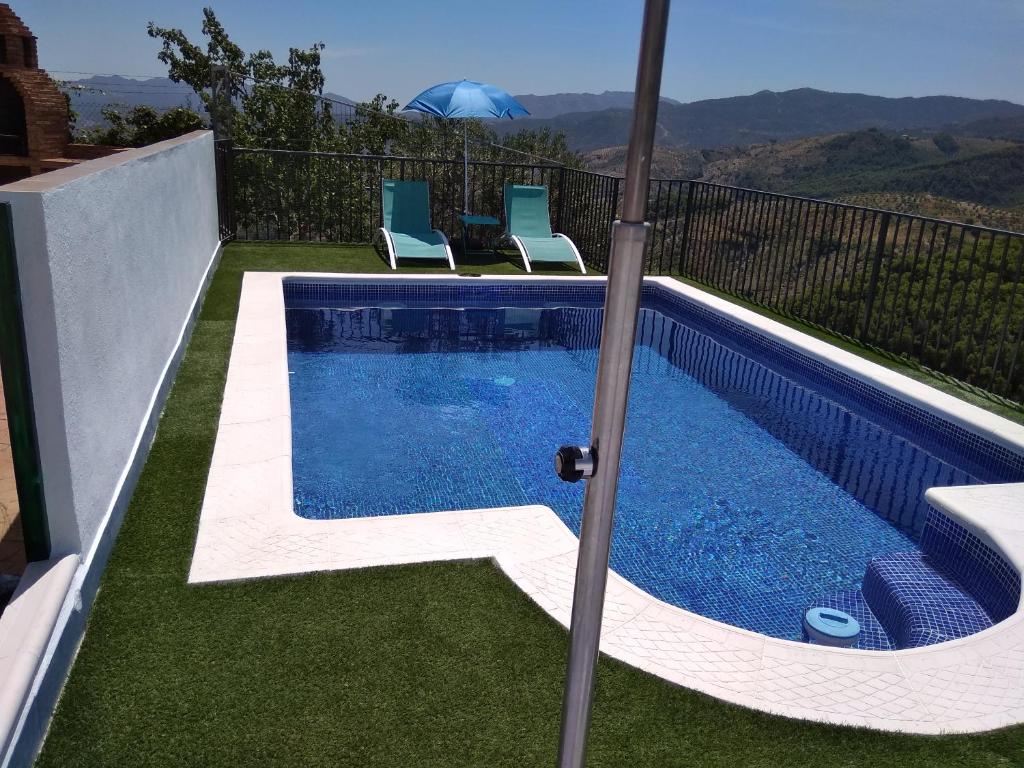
248 529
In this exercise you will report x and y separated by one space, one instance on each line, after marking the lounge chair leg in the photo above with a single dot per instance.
390 246
447 249
575 252
522 251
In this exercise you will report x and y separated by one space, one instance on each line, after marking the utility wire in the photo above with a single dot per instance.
115 89
361 108
105 74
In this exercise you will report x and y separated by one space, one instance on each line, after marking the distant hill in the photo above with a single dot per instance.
555 104
979 178
91 94
996 128
993 178
936 207
769 115
665 164
339 97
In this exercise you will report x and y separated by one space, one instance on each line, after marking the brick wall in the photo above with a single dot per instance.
46 109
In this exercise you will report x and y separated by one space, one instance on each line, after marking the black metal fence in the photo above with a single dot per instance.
587 205
944 294
272 194
223 163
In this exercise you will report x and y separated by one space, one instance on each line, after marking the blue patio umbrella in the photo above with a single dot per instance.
466 98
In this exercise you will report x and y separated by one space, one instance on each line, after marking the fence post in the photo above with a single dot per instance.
876 268
220 122
615 215
220 101
687 215
223 160
561 199
229 186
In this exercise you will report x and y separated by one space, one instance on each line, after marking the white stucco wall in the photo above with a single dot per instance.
112 255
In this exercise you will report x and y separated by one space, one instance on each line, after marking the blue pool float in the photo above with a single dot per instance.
827 626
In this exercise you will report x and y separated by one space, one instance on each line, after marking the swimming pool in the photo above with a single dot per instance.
754 481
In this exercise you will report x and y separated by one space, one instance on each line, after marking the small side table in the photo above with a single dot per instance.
472 220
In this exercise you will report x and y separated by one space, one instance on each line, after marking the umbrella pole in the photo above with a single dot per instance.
611 393
465 167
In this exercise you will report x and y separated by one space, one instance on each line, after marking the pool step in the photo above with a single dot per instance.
917 603
955 586
906 602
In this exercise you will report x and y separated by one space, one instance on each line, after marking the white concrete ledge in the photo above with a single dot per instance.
248 529
51 180
26 627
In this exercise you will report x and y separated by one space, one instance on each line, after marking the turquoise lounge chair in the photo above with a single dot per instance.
406 230
528 225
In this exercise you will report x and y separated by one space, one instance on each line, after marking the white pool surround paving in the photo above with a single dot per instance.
248 529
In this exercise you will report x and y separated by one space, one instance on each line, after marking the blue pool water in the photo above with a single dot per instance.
754 482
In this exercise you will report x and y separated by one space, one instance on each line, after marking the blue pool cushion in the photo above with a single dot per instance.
828 626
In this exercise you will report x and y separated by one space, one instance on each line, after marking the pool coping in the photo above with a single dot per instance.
248 529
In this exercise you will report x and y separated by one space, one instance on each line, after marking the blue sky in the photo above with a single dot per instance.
715 48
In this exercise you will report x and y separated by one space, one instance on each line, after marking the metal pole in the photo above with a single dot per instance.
220 101
465 168
618 335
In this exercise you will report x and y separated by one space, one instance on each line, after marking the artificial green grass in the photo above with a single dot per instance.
360 258
429 665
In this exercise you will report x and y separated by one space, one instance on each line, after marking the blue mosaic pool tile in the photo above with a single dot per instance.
872 634
747 534
977 456
977 568
917 604
302 293
707 554
848 447
955 586
982 458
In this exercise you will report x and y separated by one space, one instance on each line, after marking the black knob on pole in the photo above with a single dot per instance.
574 462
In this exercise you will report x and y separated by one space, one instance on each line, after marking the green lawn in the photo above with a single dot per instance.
429 665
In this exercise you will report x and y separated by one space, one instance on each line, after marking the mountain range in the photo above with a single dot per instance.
164 93
91 93
960 177
775 116
555 104
592 121
942 155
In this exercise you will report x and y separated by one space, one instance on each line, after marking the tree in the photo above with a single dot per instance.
141 126
375 128
946 143
281 106
544 144
271 105
61 86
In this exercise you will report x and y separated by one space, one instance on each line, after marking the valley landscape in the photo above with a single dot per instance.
939 156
